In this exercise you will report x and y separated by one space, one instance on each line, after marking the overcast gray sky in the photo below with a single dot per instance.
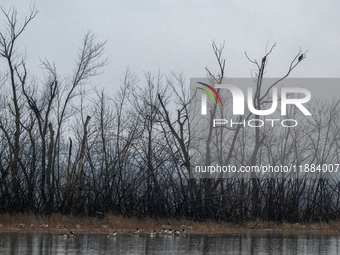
174 35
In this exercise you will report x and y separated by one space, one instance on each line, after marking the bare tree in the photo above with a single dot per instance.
14 60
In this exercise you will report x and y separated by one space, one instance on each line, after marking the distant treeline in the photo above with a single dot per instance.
69 148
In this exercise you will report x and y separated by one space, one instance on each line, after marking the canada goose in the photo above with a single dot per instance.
184 231
183 225
21 225
44 225
164 230
169 232
136 232
71 234
153 232
167 226
189 227
176 232
114 233
301 57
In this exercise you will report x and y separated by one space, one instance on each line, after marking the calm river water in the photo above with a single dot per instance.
245 243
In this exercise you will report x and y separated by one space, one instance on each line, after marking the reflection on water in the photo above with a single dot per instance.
245 243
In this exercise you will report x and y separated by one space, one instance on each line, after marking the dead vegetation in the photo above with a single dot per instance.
123 225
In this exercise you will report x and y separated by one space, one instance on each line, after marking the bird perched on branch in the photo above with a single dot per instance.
264 59
184 164
300 58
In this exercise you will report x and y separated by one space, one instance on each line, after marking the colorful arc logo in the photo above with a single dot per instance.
208 92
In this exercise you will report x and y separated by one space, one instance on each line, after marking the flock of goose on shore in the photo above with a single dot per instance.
166 230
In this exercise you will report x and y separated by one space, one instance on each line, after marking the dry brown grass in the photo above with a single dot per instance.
56 223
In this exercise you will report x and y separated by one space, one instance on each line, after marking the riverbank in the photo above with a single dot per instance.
62 224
